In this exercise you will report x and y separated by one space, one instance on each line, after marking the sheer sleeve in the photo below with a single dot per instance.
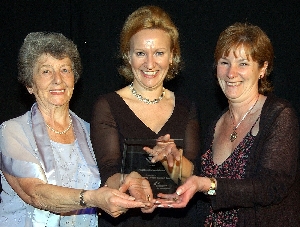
192 135
273 165
17 150
105 140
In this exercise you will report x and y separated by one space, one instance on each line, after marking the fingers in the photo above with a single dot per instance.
166 152
171 201
117 213
124 201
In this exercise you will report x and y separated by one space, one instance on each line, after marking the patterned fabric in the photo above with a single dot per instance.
27 151
232 168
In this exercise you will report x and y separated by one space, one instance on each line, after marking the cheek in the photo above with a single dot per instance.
221 71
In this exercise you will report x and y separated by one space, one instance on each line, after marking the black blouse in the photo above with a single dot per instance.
112 121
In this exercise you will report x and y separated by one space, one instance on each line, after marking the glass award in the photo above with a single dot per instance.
136 159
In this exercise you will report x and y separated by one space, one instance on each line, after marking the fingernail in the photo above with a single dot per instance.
157 202
178 192
162 206
170 206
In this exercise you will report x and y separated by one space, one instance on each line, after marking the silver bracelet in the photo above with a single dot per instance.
81 199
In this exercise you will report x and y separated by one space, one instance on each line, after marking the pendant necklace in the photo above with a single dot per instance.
63 132
145 100
233 135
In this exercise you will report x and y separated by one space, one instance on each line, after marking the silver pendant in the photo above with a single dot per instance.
233 136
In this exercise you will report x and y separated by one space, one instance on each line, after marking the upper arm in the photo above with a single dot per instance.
105 139
192 135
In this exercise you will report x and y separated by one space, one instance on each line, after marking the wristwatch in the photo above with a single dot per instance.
212 189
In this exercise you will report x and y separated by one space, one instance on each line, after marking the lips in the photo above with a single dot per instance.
150 73
57 91
234 84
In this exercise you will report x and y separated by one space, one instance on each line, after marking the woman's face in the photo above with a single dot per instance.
53 81
238 75
150 56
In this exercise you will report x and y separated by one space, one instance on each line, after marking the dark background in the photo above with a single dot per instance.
95 27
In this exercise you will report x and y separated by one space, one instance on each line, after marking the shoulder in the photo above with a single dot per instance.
16 123
275 105
84 124
106 99
277 109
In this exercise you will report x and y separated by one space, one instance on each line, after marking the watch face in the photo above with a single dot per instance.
211 192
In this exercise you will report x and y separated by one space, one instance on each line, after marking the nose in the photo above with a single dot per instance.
57 77
232 72
150 62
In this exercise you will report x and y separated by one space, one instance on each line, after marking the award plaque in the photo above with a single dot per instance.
136 159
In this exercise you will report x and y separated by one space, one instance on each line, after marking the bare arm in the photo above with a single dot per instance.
63 200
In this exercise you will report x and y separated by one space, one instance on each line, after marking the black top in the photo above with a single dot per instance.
269 194
112 121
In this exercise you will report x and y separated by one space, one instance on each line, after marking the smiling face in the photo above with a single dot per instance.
238 75
53 82
150 56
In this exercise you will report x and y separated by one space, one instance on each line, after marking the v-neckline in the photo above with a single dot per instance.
139 120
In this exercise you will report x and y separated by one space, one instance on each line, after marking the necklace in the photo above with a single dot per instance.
63 132
233 135
145 100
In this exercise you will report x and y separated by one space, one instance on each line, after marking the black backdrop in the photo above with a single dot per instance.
95 26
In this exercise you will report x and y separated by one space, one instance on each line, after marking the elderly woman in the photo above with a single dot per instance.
248 168
48 169
149 47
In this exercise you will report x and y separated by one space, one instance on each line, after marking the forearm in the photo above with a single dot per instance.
45 196
187 169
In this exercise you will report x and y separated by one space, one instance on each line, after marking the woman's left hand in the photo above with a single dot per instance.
182 195
165 150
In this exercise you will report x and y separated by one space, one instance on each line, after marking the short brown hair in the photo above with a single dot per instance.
149 17
256 44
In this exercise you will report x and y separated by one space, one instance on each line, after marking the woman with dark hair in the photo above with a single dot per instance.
48 171
144 109
248 168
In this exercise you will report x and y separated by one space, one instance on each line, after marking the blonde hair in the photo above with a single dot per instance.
148 17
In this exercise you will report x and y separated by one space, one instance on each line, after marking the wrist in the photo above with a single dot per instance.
213 187
82 201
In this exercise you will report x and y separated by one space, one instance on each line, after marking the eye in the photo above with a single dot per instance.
159 53
140 54
65 70
46 72
222 62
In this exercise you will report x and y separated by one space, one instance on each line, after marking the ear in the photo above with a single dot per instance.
263 70
171 58
129 57
30 90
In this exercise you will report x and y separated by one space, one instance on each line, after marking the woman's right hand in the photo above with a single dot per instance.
139 187
112 201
